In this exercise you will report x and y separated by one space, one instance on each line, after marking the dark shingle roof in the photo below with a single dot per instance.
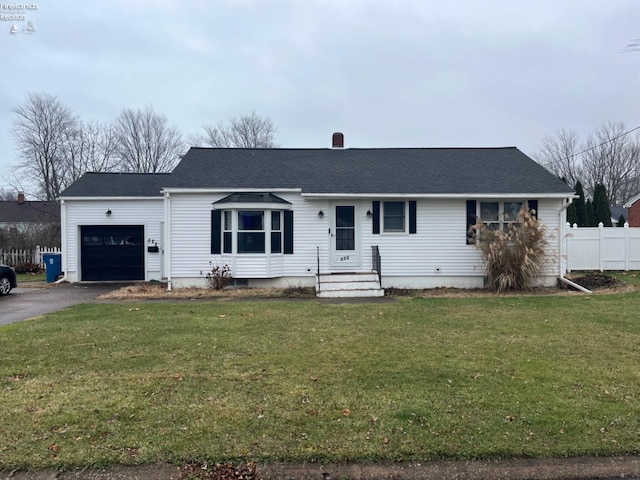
29 212
118 185
392 170
340 171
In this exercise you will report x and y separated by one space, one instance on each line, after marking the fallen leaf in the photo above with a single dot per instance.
477 375
53 447
346 412
511 418
314 379
178 376
385 441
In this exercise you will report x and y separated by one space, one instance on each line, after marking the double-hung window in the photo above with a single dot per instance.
227 232
393 217
495 214
276 232
499 215
251 231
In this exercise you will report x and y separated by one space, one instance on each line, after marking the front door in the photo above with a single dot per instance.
345 236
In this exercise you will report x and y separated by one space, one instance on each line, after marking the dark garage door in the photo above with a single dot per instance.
112 253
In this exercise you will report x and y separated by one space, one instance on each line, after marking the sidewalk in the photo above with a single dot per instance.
582 468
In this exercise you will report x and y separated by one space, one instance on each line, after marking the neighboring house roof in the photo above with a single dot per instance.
361 171
29 212
117 185
632 200
617 210
400 171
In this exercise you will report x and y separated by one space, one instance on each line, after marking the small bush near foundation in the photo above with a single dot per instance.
28 267
513 256
219 277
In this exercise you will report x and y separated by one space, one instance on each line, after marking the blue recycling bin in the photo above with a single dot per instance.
53 263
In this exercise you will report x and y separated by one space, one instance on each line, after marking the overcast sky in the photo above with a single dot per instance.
400 73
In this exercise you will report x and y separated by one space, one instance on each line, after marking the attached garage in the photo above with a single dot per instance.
112 252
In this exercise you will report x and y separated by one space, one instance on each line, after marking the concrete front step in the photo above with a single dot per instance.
378 292
345 285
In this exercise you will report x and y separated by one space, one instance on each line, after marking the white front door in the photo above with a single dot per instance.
345 237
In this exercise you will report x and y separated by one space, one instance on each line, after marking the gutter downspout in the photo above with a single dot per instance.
566 281
63 240
167 238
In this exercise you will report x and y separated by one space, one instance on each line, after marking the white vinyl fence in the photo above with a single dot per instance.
16 257
602 248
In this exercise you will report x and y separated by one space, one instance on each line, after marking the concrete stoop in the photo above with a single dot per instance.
348 285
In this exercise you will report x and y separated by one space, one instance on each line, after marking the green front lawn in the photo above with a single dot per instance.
31 277
422 379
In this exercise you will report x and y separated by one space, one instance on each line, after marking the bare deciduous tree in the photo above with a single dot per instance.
41 126
558 154
8 195
247 131
90 147
610 156
145 142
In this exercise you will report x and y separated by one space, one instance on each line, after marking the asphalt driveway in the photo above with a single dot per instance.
24 303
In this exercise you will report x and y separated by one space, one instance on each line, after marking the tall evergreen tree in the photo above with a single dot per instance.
601 209
580 206
572 218
590 218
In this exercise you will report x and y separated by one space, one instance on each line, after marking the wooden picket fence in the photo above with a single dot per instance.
16 256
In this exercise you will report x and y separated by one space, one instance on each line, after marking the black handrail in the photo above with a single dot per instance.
318 272
376 261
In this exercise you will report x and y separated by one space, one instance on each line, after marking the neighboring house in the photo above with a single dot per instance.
277 217
633 204
26 224
616 211
20 214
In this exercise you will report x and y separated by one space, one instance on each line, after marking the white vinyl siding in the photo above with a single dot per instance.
437 255
191 241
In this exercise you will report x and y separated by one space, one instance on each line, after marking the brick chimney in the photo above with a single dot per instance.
337 141
20 198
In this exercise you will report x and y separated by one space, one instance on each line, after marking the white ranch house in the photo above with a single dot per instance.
348 221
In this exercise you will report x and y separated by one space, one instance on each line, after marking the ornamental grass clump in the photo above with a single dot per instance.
515 255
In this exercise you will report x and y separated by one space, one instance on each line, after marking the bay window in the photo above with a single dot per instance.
251 231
